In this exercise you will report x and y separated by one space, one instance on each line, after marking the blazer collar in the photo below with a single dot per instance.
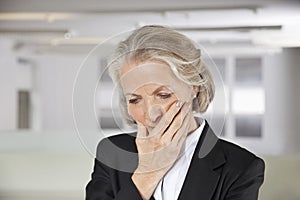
202 177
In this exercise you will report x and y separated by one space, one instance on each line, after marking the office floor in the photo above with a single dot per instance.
281 178
49 176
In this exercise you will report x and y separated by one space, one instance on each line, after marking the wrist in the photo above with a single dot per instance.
146 182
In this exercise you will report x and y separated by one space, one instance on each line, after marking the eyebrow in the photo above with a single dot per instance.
155 91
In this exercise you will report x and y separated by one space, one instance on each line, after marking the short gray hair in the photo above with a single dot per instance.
163 44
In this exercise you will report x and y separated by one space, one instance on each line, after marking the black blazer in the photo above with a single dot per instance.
224 171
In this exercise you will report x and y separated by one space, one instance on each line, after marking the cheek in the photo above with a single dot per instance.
136 112
167 103
139 112
183 93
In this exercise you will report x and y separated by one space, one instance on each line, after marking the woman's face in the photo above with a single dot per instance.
150 89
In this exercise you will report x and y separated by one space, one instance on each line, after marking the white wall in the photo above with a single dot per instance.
52 78
13 76
53 158
55 76
282 83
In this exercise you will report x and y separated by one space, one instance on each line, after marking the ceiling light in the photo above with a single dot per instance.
49 17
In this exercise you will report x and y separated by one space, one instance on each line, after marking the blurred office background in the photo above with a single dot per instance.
254 44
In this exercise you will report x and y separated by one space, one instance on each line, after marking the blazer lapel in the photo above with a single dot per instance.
202 179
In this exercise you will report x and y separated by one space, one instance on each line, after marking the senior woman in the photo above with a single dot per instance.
173 155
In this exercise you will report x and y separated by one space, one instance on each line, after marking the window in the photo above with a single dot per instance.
248 97
23 109
243 84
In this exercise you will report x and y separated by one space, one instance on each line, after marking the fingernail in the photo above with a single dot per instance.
178 104
188 106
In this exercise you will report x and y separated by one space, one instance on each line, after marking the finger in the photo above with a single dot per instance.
182 133
180 137
180 145
176 124
167 118
142 131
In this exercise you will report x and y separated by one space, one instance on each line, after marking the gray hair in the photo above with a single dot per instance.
163 44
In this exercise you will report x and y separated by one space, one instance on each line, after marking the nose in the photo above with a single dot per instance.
154 113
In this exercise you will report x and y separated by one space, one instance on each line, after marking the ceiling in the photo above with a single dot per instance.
41 24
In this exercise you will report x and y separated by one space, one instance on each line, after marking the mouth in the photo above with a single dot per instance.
151 127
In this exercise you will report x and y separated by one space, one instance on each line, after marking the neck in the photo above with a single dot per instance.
194 124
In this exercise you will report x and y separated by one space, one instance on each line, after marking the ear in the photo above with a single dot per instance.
195 91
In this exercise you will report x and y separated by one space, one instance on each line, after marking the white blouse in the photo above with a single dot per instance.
170 185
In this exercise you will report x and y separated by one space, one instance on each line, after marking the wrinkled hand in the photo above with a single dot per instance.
159 149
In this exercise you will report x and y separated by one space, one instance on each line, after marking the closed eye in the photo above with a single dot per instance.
164 95
134 101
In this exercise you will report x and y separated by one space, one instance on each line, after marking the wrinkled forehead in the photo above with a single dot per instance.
132 78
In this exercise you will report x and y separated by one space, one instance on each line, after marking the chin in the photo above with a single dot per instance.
150 128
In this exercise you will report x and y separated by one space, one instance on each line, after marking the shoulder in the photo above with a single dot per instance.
124 141
232 150
219 151
116 144
239 159
242 172
118 152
